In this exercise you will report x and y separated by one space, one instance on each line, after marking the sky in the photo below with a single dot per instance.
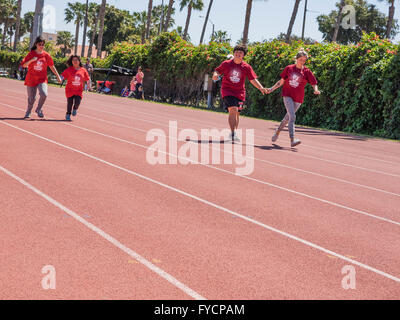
268 17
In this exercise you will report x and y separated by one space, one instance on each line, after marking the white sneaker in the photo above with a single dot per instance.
294 143
233 137
275 136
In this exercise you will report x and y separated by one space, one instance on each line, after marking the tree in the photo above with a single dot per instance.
292 20
101 31
179 31
75 12
220 37
293 37
65 39
205 21
245 38
169 12
390 17
339 19
140 20
85 23
157 15
18 25
192 5
369 19
149 12
94 21
8 9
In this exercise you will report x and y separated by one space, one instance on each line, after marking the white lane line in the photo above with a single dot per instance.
208 124
211 204
228 152
163 274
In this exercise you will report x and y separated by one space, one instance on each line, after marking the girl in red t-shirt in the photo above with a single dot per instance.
76 77
37 62
294 79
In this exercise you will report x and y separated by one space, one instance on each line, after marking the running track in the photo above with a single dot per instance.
81 197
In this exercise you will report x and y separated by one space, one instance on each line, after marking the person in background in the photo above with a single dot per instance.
89 68
139 83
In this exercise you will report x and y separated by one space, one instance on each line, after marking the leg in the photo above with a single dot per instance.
70 102
233 114
237 120
77 102
43 96
31 98
290 108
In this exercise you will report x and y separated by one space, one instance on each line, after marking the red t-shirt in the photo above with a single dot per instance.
37 70
233 82
139 77
295 82
76 80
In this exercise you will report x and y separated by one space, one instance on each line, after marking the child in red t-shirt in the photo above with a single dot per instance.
294 79
233 90
37 62
76 77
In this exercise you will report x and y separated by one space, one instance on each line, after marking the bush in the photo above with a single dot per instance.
359 83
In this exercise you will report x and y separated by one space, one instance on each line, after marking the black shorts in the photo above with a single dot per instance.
231 101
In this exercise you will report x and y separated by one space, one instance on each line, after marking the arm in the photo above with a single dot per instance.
316 91
216 75
276 86
26 64
258 85
53 68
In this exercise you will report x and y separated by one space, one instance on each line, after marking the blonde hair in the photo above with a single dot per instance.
301 53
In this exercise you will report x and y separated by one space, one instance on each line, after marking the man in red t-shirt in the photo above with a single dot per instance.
233 89
294 79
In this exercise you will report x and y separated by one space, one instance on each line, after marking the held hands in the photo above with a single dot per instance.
317 92
215 77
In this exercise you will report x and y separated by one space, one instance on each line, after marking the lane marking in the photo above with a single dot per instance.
209 203
163 274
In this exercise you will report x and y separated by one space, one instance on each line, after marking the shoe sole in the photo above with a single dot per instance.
295 144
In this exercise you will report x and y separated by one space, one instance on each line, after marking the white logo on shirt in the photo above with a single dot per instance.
77 81
294 80
38 66
235 76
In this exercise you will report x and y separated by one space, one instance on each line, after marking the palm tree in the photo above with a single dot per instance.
64 38
149 11
292 20
339 18
8 12
101 31
247 22
166 24
205 21
85 23
94 20
140 19
192 5
18 26
220 37
74 12
390 17
37 20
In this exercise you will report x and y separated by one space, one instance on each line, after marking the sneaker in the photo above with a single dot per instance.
40 114
74 112
294 143
27 115
275 136
233 137
68 117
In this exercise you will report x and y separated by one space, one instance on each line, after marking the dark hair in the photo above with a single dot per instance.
140 68
240 47
69 62
38 39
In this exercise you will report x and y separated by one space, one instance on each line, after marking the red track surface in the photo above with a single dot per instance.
284 232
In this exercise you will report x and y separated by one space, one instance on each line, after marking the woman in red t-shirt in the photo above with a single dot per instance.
294 79
76 77
37 62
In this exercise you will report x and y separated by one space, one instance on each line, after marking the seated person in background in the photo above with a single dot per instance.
125 92
133 88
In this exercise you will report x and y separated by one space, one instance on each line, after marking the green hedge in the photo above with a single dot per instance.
359 83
